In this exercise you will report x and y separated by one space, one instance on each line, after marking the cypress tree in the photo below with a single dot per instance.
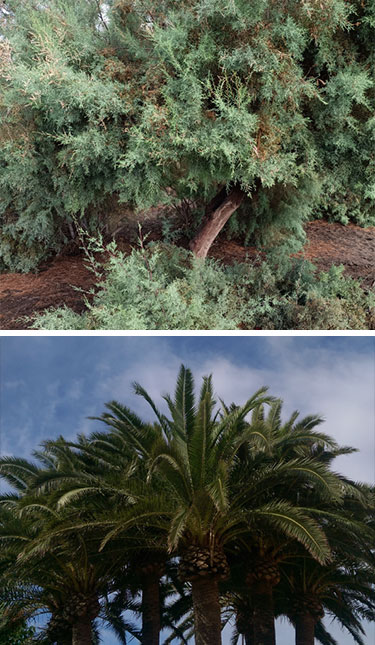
265 106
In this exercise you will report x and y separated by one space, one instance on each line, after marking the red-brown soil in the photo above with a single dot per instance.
26 294
328 243
352 246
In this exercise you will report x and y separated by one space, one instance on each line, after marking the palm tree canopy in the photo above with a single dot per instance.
223 475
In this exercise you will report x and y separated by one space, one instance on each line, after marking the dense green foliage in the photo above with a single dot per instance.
151 102
14 632
227 501
164 287
60 129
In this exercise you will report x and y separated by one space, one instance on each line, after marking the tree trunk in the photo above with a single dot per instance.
207 619
215 220
305 629
151 610
264 617
245 625
249 637
248 634
82 632
65 640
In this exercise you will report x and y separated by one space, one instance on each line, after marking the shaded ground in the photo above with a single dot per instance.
26 294
350 245
328 243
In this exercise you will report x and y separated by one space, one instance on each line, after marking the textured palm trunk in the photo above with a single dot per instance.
207 618
305 629
82 632
151 610
66 640
245 626
248 635
216 218
264 617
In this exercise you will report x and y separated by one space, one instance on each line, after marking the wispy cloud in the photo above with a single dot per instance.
338 385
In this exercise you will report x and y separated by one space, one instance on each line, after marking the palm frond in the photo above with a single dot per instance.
292 522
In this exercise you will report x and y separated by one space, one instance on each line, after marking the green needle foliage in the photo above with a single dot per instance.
165 287
153 102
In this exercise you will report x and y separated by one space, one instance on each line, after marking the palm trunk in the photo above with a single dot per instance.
264 617
207 619
82 632
305 629
215 220
65 641
245 626
248 635
151 610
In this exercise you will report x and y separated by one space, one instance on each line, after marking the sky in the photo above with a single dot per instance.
50 385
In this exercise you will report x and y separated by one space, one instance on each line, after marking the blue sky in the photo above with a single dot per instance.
50 385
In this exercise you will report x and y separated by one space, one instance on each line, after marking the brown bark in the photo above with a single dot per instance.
215 219
151 610
264 617
82 632
305 629
207 619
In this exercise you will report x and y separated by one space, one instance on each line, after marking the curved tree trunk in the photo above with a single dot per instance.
82 632
264 617
207 618
216 217
305 629
151 610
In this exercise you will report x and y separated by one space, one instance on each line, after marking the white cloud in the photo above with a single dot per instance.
339 386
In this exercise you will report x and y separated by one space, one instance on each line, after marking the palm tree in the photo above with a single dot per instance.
18 587
61 577
104 471
345 587
278 443
59 569
73 470
208 502
311 590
